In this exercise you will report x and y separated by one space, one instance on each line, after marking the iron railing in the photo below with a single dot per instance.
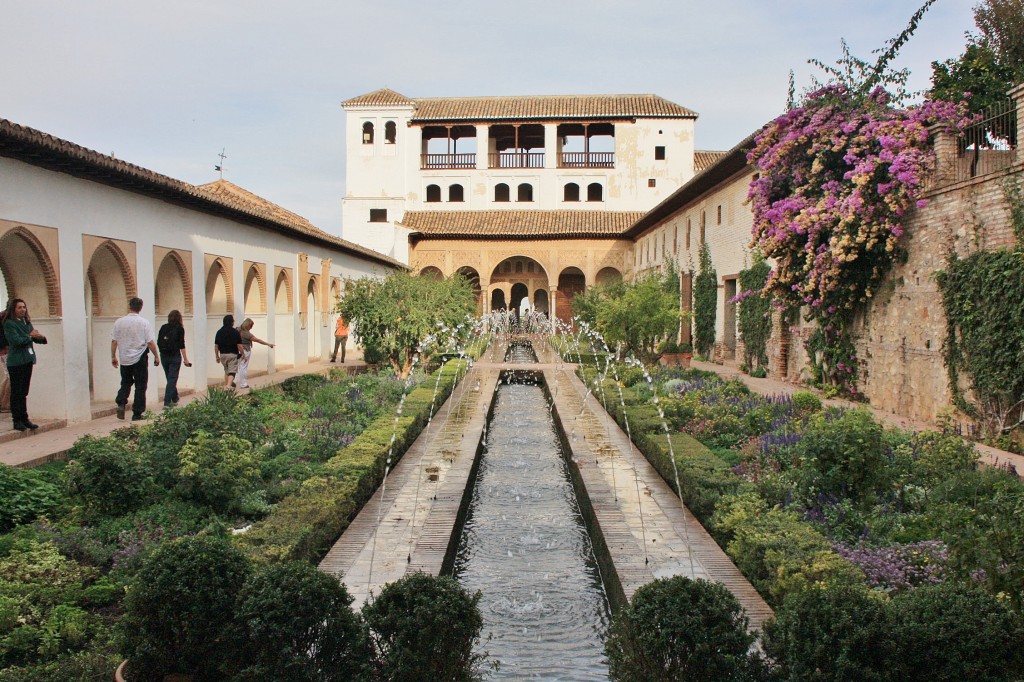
988 145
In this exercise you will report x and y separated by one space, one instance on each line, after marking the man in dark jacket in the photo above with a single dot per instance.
227 347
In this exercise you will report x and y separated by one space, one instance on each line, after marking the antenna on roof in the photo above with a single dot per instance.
220 167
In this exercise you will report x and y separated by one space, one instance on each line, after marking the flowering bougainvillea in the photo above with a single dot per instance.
836 178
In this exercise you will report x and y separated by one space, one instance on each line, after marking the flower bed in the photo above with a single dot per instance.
811 500
291 465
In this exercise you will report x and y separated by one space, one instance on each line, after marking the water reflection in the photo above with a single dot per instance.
524 546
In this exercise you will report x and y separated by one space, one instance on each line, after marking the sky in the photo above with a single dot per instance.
169 85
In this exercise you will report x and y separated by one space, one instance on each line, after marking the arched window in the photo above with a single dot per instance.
455 193
595 192
433 193
368 133
501 192
572 192
390 132
525 192
519 266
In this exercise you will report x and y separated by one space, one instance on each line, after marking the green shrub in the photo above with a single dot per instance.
835 634
679 629
219 413
296 623
94 665
217 471
953 632
806 402
24 496
179 609
108 475
302 387
778 551
424 628
841 456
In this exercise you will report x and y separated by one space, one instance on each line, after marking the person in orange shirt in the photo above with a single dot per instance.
340 339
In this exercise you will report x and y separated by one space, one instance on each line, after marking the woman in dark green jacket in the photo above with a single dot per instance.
21 355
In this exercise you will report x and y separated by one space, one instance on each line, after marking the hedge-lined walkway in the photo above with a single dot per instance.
988 454
31 450
410 524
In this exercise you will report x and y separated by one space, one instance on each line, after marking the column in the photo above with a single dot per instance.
551 149
483 147
1017 95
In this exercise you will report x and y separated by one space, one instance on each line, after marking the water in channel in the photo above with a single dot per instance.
524 546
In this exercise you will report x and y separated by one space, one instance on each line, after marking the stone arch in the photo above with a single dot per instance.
431 272
498 299
255 297
28 272
608 275
219 298
540 301
519 293
335 291
111 280
283 299
571 281
312 293
173 290
473 277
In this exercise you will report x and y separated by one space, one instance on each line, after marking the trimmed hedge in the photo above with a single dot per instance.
303 526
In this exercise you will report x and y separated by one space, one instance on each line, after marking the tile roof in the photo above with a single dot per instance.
539 107
513 224
219 198
384 96
703 159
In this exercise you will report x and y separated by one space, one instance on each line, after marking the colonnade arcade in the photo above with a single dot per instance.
523 283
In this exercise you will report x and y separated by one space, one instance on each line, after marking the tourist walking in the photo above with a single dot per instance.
131 341
21 339
340 339
227 348
248 338
171 342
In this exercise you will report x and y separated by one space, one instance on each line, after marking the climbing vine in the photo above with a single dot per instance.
755 314
981 296
705 303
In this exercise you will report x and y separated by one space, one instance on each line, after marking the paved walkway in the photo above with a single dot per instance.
988 454
55 437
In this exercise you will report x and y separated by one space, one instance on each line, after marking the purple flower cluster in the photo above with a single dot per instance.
900 566
145 535
836 177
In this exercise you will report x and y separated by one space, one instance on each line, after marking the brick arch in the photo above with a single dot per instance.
261 283
218 268
123 265
52 284
178 262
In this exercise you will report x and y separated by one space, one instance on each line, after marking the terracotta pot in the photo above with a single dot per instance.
682 359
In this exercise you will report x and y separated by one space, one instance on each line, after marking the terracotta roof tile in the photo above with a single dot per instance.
384 96
218 198
513 224
703 159
547 107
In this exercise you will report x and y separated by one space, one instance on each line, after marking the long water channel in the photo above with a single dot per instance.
525 547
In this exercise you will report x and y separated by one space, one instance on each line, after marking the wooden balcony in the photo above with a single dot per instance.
587 160
516 160
447 161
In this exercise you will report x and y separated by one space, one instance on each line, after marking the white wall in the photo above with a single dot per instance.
60 387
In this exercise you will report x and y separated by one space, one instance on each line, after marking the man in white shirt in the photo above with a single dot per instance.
131 340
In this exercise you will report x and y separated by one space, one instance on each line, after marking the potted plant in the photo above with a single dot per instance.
673 353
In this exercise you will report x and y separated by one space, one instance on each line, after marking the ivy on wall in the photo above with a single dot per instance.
755 314
981 296
705 303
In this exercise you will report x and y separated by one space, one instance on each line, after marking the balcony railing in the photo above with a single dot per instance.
446 161
587 160
517 160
